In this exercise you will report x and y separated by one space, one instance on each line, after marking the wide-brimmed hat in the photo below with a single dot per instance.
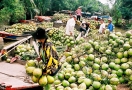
101 19
110 19
74 16
83 21
40 33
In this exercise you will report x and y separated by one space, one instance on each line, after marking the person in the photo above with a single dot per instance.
110 25
84 27
102 26
78 13
1 46
70 26
47 52
1 43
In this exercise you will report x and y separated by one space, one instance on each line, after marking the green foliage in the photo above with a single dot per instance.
18 14
4 14
12 11
122 8
116 12
126 9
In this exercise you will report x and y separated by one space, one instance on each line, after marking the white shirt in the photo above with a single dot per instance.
70 26
102 26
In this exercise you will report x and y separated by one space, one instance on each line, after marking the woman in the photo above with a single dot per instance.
78 13
47 52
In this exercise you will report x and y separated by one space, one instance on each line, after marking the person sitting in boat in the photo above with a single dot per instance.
84 27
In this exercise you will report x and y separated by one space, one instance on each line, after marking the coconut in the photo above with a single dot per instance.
80 73
114 81
87 81
82 86
130 52
125 66
96 66
91 57
31 63
123 60
77 67
67 76
65 83
128 72
130 42
72 79
119 55
126 46
73 85
67 88
104 59
76 60
57 82
82 64
50 79
43 81
37 72
69 59
108 87
125 54
81 79
117 61
61 76
119 72
60 88
29 70
96 84
34 79
105 66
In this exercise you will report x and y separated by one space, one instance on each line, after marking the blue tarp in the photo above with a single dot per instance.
104 16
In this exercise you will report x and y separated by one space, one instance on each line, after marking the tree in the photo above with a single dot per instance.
14 10
116 11
126 9
11 11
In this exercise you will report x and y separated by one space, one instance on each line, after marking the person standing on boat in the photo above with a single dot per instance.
79 13
102 27
70 26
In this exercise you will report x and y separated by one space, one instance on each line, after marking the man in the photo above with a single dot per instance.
47 53
102 26
70 26
110 25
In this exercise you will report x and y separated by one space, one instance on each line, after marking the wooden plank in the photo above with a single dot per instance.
15 75
15 43
13 69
